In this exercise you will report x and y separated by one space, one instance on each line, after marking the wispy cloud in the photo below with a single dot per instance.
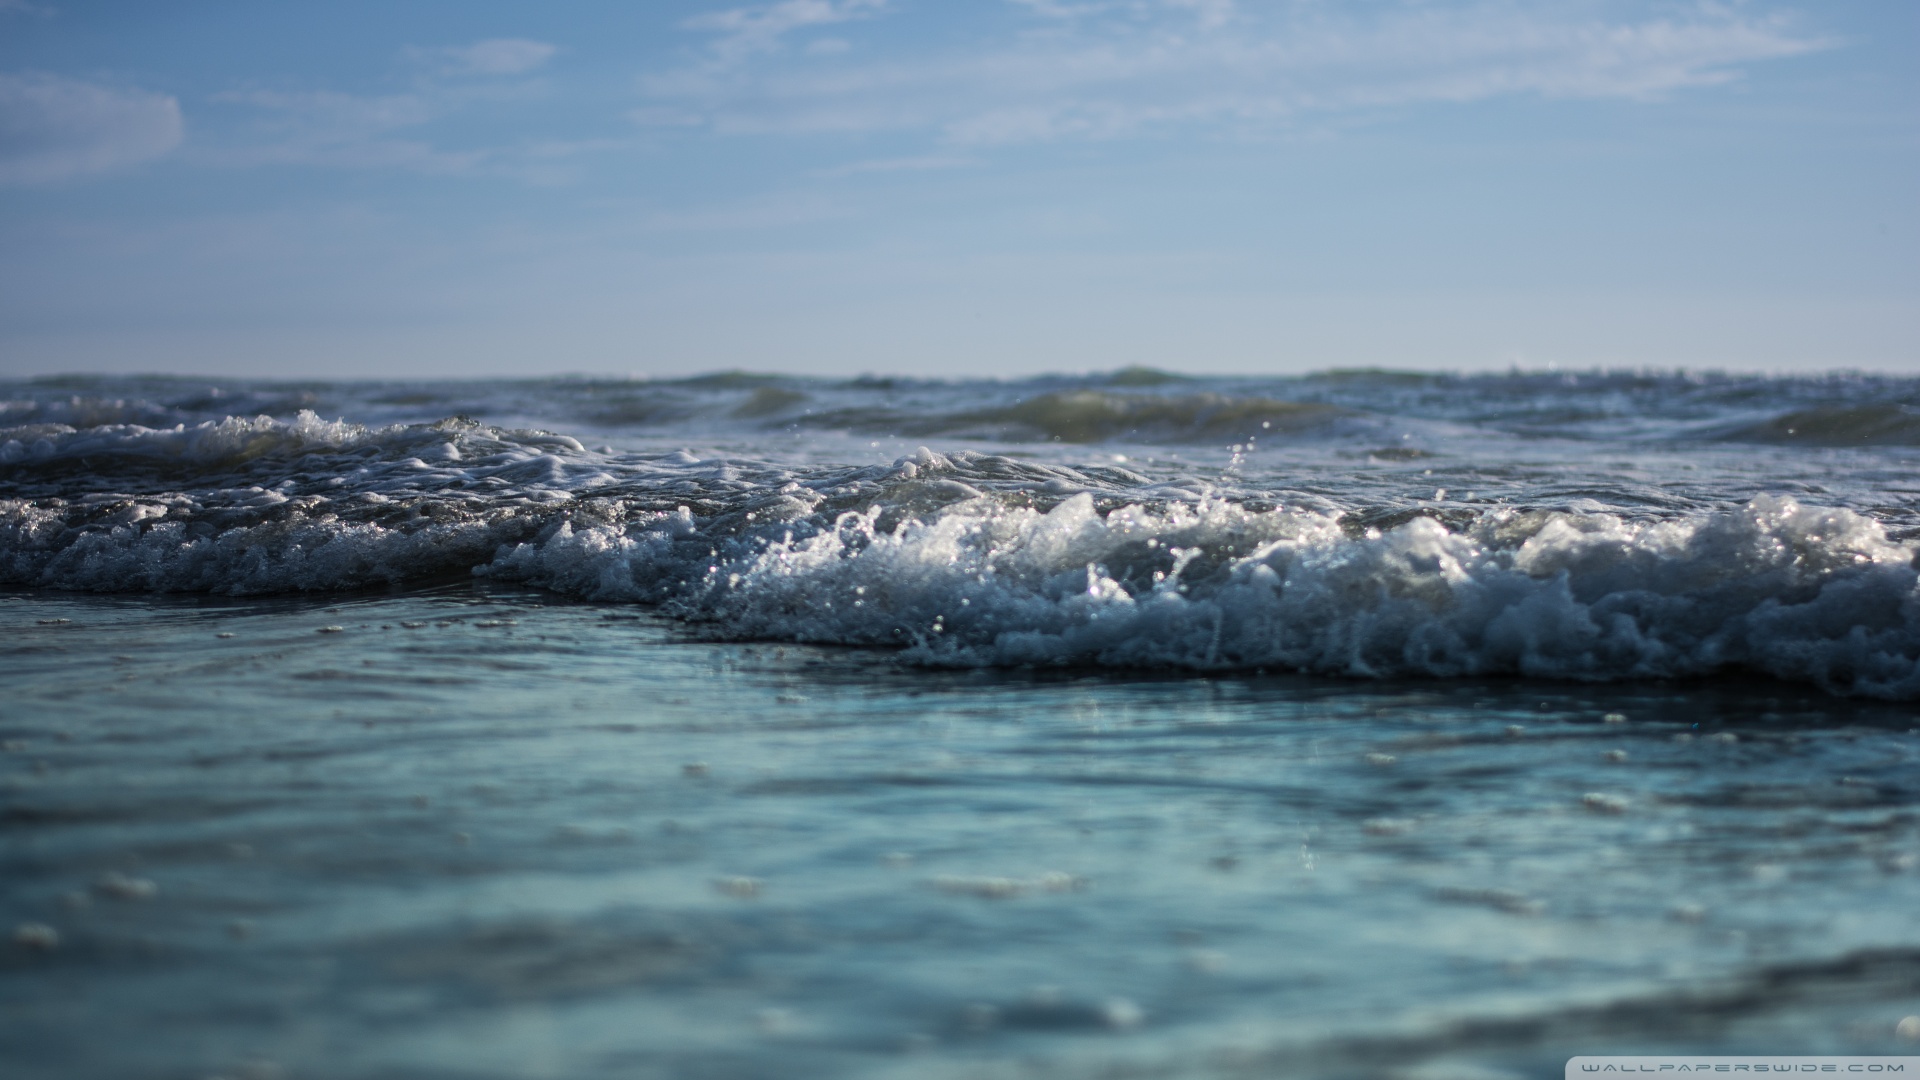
1060 9
340 130
498 56
921 163
395 130
1102 70
743 32
1212 14
54 128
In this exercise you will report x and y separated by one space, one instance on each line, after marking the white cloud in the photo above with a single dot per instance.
339 130
1212 14
53 128
743 32
1056 9
498 56
330 129
922 163
394 131
343 113
1107 70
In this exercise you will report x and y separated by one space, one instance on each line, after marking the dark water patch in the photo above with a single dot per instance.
1089 416
730 380
633 409
545 961
1392 453
1858 425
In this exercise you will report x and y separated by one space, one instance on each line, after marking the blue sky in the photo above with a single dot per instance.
996 187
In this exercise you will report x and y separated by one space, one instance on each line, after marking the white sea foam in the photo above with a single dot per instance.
298 553
233 439
1798 592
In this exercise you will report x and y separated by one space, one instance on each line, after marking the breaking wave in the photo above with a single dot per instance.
1775 587
972 558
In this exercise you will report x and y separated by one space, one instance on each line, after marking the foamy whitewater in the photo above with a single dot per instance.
1602 526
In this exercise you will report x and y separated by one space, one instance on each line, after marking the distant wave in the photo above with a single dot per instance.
1857 425
1090 416
1137 406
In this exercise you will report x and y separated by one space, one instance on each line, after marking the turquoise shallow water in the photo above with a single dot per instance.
482 831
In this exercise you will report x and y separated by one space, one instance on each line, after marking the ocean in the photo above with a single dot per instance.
1356 724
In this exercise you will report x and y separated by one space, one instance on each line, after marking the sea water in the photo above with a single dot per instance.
1351 725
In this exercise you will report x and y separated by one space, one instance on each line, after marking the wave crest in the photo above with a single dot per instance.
1797 592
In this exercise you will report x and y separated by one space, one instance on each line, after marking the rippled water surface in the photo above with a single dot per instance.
1348 726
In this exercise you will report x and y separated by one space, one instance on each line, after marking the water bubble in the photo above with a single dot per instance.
35 935
1121 1014
774 1021
739 887
1508 900
986 888
118 886
1205 961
